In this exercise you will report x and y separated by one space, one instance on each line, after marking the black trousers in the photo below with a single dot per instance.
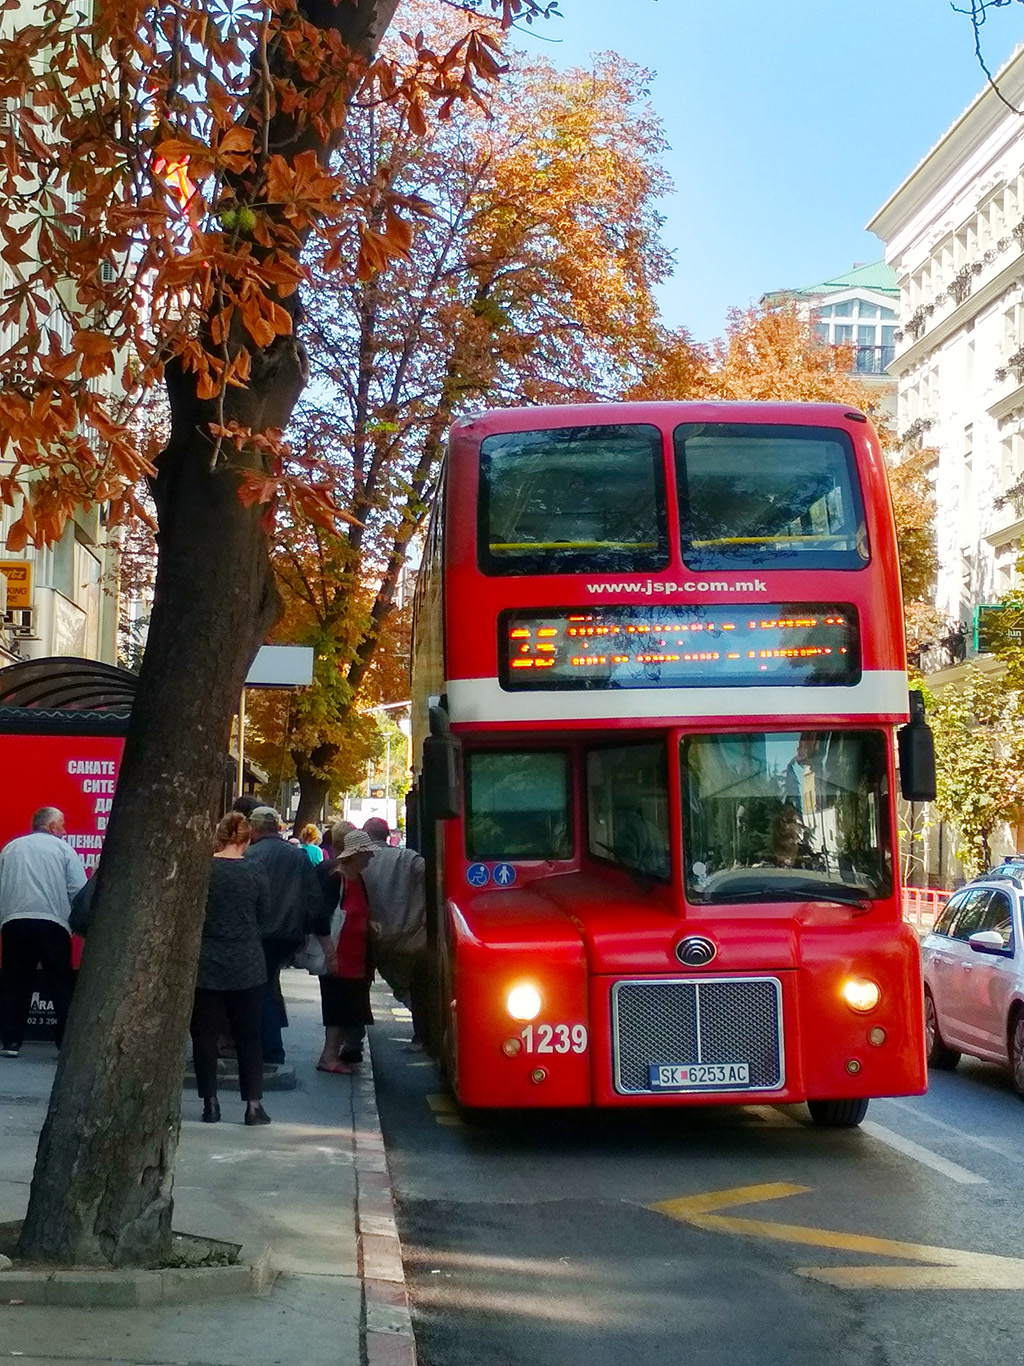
408 976
420 985
241 1011
277 953
26 945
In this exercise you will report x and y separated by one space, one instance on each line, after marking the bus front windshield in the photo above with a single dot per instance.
786 816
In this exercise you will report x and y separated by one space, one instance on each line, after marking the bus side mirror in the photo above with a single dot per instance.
441 779
916 747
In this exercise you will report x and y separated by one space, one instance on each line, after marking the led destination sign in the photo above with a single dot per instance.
683 646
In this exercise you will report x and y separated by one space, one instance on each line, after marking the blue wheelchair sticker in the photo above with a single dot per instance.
478 875
504 875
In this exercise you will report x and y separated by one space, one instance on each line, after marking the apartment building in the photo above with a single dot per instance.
954 235
856 308
61 600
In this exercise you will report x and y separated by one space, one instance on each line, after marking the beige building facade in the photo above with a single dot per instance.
954 236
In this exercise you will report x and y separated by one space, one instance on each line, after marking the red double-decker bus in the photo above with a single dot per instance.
658 664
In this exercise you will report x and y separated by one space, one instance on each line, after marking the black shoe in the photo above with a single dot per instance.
257 1115
211 1111
352 1058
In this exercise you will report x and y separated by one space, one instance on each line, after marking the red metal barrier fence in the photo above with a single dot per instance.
921 906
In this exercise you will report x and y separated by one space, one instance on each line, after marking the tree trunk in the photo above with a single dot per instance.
101 1192
313 792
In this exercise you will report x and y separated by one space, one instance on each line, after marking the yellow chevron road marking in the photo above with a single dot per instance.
948 1268
444 1110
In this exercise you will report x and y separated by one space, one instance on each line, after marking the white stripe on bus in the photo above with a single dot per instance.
879 692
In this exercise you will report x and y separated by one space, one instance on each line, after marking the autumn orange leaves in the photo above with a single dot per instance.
166 174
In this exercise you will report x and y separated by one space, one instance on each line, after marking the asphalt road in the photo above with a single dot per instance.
532 1241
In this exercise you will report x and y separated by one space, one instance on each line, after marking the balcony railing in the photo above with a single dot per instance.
1009 505
872 360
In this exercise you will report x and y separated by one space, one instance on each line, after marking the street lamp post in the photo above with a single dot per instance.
388 706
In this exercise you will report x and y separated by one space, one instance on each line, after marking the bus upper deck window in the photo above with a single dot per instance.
572 499
769 497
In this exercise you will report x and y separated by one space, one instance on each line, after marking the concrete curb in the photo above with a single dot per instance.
85 1288
387 1323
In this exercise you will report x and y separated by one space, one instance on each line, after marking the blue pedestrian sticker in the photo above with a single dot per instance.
478 875
504 875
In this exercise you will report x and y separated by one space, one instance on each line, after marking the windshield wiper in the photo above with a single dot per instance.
780 891
859 903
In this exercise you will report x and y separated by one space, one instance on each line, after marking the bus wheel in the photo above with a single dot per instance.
838 1114
938 1054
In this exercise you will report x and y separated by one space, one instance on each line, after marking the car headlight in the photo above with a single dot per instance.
861 994
523 1002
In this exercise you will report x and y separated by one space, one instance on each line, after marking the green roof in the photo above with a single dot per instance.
876 275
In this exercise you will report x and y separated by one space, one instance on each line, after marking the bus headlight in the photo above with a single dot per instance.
861 994
523 1002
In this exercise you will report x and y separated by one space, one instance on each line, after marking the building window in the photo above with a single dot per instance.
1006 566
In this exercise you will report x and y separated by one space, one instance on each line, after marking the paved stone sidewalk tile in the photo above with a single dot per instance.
388 1349
314 1185
304 1318
385 1292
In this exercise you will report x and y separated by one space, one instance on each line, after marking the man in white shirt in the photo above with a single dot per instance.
39 874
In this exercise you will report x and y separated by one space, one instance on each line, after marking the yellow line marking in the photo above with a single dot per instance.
690 1205
444 1109
949 1269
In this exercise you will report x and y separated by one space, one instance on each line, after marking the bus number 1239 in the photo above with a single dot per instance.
558 1038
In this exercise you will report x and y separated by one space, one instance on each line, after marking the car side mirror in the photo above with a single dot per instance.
916 746
987 941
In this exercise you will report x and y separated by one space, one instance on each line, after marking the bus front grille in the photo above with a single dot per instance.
729 1021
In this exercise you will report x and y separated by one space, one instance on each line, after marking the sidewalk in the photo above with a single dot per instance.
314 1184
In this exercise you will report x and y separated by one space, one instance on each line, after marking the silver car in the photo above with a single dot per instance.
973 968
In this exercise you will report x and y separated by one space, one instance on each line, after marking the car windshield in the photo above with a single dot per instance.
786 816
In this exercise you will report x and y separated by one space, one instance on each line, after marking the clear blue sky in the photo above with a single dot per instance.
790 123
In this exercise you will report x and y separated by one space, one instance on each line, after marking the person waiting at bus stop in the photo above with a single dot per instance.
232 972
294 911
39 875
396 885
345 985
